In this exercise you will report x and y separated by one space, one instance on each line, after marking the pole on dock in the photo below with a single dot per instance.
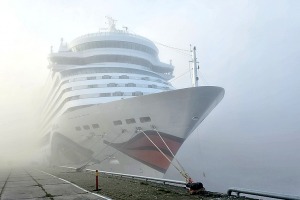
97 174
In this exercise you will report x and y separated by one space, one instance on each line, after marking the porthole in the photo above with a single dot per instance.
118 122
145 119
130 121
95 126
86 127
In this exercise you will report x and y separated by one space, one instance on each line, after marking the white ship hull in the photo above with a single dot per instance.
109 105
101 144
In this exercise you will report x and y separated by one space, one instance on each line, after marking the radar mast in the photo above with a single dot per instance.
111 24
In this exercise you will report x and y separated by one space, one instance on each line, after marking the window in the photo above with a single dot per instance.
118 122
106 77
86 127
152 86
130 121
78 128
105 94
118 94
95 126
145 119
130 85
124 77
112 85
137 94
92 86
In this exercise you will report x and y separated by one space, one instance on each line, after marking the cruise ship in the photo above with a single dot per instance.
109 105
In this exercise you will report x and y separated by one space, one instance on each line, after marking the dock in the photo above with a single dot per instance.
24 183
55 183
117 187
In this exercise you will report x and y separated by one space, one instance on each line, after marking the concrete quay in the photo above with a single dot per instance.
34 184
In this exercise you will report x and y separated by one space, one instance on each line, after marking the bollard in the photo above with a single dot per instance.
97 174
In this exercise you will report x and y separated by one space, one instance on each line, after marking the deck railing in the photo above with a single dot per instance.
239 191
144 178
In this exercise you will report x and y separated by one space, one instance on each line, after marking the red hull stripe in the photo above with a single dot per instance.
141 149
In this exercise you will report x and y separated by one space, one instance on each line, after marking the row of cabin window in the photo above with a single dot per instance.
87 127
108 94
116 123
116 85
132 121
108 85
115 94
108 70
110 77
116 77
96 95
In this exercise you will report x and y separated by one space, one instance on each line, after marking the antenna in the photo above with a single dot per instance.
111 23
195 77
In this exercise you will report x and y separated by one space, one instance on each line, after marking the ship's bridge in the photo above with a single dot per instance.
117 39
107 47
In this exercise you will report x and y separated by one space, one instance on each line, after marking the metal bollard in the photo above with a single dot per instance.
97 174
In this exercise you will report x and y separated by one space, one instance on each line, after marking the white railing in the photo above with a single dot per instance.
239 191
144 178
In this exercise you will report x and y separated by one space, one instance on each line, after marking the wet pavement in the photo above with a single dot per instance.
35 184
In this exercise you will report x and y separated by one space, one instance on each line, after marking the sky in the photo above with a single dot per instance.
250 48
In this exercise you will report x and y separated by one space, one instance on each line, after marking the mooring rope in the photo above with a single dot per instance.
184 174
154 128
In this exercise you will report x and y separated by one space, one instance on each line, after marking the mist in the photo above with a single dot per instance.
250 48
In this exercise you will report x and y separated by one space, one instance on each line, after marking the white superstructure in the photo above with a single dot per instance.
103 67
108 95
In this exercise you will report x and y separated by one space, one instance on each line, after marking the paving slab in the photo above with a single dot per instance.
46 177
20 178
63 189
23 183
17 175
51 181
22 193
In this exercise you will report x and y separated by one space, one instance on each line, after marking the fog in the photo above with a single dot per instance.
250 48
